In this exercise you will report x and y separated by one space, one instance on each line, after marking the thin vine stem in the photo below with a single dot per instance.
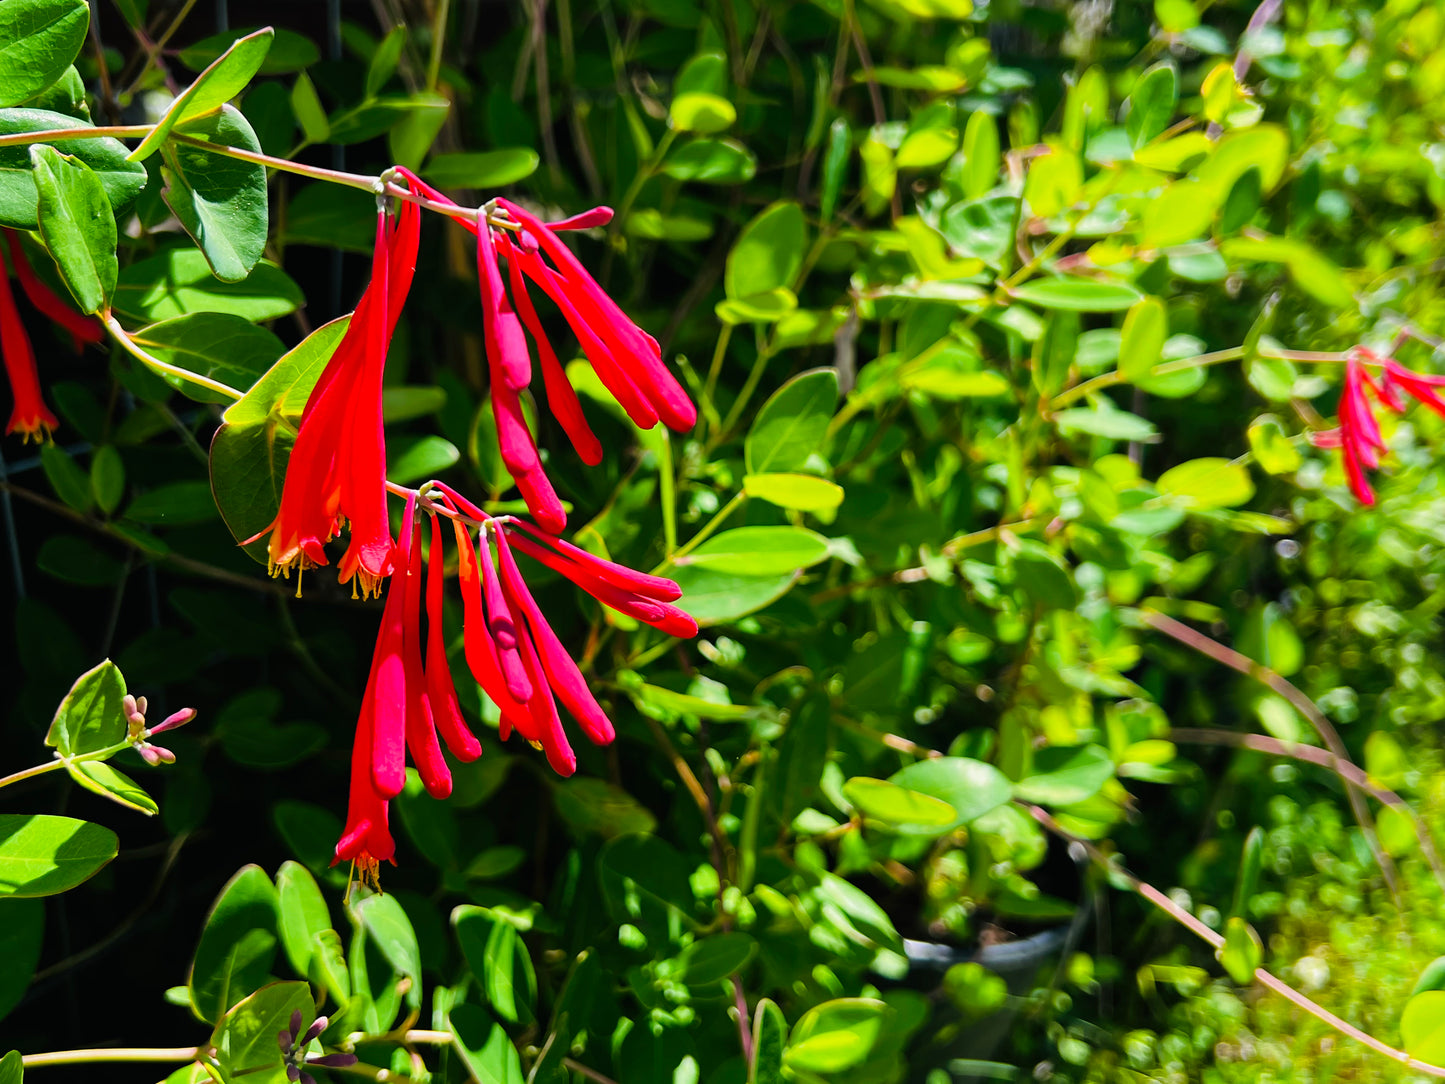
1200 930
64 762
152 362
119 1053
1277 683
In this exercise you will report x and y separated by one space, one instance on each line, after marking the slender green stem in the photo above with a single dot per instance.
133 1053
1113 378
668 485
65 762
644 174
706 532
438 39
744 396
165 368
714 369
59 135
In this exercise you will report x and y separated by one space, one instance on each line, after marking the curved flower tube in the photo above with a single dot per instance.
337 469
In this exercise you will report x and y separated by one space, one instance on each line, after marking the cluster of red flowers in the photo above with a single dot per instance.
336 476
1358 434
30 416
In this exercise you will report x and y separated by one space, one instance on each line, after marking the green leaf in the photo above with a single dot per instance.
499 959
1432 978
1063 776
1242 952
12 1068
328 966
767 308
237 946
245 1040
769 251
1422 1026
302 914
482 169
655 226
77 224
1176 16
251 448
178 282
770 1034
423 457
1110 424
759 551
107 478
290 51
42 855
1250 859
1054 183
835 1035
384 60
1207 482
106 157
1182 212
699 111
100 778
217 345
909 811
176 504
310 113
802 492
1077 294
65 477
1152 103
791 428
411 138
38 41
484 1046
92 715
712 959
220 201
711 161
213 88
330 216
1272 448
947 375
1141 342
391 931
714 597
597 807
971 787
1264 148
981 157
22 930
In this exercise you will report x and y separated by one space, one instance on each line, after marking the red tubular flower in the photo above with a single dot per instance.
337 468
82 329
409 698
627 360
30 415
1358 435
502 619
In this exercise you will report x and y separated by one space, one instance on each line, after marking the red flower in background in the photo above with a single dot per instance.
30 415
1358 434
337 469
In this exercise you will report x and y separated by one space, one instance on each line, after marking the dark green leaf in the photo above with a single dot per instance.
22 930
43 855
213 88
482 169
1063 776
76 221
122 180
38 40
92 715
245 1041
221 201
789 431
237 946
971 787
178 282
769 251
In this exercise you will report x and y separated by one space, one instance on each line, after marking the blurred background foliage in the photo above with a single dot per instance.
886 244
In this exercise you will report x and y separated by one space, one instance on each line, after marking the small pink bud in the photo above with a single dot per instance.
165 756
150 754
173 720
140 704
131 707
